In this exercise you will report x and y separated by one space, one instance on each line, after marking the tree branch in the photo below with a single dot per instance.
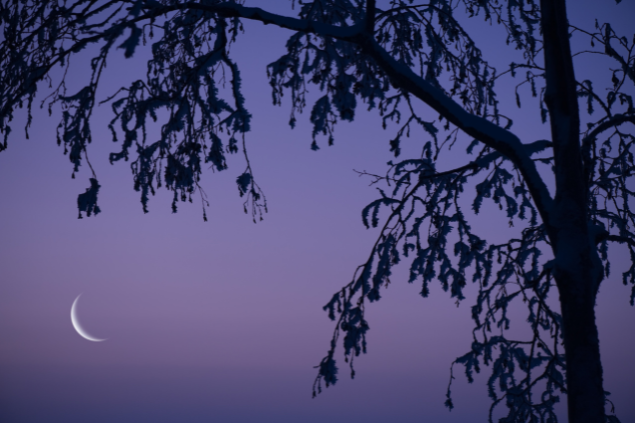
587 142
613 121
614 238
234 10
490 134
609 50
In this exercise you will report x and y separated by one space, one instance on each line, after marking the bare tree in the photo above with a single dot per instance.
389 55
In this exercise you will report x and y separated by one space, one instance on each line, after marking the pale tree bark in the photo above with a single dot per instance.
577 267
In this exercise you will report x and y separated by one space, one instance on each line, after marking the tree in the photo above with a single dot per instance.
389 55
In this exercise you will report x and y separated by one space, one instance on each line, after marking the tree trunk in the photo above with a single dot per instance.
578 269
585 394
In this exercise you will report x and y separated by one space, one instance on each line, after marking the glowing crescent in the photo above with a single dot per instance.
79 327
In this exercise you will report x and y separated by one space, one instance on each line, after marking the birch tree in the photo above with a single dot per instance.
569 196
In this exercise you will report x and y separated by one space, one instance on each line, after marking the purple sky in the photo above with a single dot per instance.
222 321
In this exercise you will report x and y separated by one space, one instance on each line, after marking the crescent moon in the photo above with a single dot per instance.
82 332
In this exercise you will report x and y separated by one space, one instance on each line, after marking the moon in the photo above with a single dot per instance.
82 332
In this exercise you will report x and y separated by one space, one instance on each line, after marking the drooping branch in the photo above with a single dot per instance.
490 134
480 128
612 122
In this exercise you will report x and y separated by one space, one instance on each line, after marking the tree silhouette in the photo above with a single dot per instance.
389 55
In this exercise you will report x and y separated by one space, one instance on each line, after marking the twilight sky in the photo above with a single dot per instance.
221 320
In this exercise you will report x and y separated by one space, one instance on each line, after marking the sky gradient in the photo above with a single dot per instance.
221 320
